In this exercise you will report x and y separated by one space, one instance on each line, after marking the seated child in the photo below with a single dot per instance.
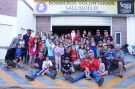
109 58
45 66
66 68
18 55
85 66
101 70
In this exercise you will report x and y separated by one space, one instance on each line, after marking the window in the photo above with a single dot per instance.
118 38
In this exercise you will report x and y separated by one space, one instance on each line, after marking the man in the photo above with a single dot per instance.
107 36
16 40
74 37
98 37
38 67
10 56
26 38
94 64
118 62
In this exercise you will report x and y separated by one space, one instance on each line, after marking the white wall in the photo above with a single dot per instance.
83 21
7 32
25 18
131 32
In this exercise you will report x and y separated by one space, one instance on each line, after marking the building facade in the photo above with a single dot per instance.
116 16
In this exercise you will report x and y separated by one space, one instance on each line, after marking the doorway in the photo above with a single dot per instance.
67 29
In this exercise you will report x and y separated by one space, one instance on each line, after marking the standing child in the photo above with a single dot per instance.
58 52
45 66
85 65
66 68
23 53
101 70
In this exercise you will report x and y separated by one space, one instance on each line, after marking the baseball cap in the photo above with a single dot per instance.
105 31
98 30
78 31
67 58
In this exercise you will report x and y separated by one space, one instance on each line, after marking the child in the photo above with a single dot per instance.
109 58
45 66
66 68
18 54
86 65
101 70
74 56
58 52
23 52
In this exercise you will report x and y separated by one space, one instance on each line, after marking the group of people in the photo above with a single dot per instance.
95 55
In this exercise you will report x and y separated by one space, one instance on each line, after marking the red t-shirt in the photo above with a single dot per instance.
74 55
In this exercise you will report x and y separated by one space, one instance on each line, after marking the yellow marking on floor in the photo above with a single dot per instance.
7 78
22 73
60 82
131 86
129 64
117 79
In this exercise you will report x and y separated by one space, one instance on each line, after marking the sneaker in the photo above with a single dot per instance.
59 70
42 73
6 66
16 66
88 78
37 74
101 81
29 78
21 66
120 76
71 79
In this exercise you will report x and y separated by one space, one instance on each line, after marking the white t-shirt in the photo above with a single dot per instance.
47 64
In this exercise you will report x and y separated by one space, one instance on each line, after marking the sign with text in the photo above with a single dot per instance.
77 7
125 6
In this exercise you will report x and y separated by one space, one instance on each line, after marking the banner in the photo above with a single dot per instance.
75 7
125 6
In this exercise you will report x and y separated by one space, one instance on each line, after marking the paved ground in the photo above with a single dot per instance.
14 79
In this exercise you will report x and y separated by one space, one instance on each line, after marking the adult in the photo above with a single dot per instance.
26 38
118 62
74 37
33 47
107 36
38 67
10 57
93 66
16 40
98 37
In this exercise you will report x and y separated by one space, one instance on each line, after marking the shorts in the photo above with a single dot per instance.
115 65
10 63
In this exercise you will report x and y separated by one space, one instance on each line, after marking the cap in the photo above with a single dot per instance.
41 51
67 58
62 57
78 31
91 51
105 31
98 30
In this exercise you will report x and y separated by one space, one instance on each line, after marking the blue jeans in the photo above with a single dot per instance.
34 73
51 58
50 74
93 73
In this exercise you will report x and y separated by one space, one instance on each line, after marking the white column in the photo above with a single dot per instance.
131 32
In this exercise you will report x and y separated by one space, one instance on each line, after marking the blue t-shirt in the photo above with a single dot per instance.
26 39
18 52
39 62
110 54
